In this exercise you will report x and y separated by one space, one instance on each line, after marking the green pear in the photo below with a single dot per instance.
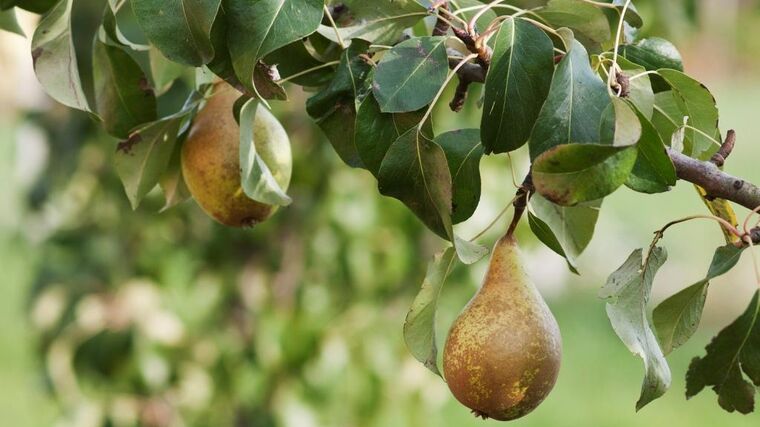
503 352
211 159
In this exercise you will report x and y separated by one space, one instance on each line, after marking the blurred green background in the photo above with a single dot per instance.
114 317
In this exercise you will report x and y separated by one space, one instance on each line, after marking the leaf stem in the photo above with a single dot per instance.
450 76
614 67
307 71
335 27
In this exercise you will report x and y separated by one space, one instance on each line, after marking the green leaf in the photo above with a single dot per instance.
574 108
163 71
586 20
517 85
55 61
334 108
35 6
172 181
545 234
376 21
677 318
576 173
259 181
733 352
698 104
123 96
463 153
653 172
653 54
627 292
419 327
416 172
571 227
411 74
376 131
263 26
295 59
667 117
142 159
8 22
180 29
621 126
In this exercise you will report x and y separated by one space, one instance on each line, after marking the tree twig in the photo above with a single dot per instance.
707 175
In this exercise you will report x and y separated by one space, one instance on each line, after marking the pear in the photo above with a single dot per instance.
503 352
211 160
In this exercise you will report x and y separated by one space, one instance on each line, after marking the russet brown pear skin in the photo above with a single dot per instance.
502 355
211 160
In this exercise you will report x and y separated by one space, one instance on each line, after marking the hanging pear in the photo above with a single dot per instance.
211 159
502 355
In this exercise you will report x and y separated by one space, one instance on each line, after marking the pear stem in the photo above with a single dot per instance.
522 197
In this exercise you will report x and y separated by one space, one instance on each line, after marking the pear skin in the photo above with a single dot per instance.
211 160
503 352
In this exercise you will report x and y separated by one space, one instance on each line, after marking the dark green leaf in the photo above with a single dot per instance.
628 291
123 95
411 74
576 173
734 350
677 318
36 6
545 234
334 108
55 61
295 59
419 327
415 171
376 131
517 84
654 171
573 111
8 22
463 153
263 26
180 29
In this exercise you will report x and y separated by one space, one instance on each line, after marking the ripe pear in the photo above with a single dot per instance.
211 160
503 352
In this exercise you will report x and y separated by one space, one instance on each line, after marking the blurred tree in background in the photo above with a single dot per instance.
168 319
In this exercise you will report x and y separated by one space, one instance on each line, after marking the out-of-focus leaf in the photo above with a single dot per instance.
8 22
586 20
575 173
180 29
55 61
733 353
627 292
677 318
376 21
517 85
419 328
172 181
574 108
411 74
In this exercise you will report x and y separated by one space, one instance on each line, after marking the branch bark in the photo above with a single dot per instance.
707 175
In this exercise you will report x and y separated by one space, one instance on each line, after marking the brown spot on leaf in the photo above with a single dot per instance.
145 87
126 146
